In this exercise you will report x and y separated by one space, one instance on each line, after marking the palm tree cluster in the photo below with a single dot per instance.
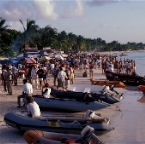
12 41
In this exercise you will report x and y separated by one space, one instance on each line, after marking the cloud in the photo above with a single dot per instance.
100 2
14 10
45 9
79 8
73 11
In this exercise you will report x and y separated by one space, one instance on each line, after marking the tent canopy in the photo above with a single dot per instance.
29 61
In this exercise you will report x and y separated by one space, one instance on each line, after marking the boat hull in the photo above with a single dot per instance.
37 136
69 105
95 89
134 80
80 96
24 123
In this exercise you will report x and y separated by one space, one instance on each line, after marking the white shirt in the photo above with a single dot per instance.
52 66
111 67
47 93
27 88
61 75
33 108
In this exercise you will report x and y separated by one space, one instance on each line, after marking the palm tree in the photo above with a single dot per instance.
48 37
3 37
29 33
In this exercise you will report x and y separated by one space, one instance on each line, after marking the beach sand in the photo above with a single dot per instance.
127 116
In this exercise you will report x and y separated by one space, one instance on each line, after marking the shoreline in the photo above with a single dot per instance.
9 104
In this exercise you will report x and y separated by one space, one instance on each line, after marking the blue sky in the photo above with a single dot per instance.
119 20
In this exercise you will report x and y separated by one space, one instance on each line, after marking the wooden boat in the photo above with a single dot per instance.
108 83
69 104
81 96
141 88
127 79
24 123
39 137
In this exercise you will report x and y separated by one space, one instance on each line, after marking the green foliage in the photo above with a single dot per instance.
12 41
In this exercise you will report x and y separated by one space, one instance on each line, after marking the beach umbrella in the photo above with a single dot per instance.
44 58
58 56
29 61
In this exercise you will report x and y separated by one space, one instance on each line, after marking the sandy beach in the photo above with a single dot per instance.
127 116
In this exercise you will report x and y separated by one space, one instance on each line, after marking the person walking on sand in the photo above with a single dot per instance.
91 72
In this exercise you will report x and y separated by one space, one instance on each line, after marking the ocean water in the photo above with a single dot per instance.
139 58
128 116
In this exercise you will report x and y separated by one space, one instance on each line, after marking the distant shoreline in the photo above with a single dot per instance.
119 52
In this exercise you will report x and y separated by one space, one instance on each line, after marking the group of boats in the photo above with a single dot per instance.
69 128
134 79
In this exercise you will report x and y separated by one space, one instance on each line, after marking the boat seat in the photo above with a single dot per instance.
74 89
87 90
74 124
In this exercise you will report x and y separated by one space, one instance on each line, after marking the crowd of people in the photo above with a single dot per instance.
63 71
36 75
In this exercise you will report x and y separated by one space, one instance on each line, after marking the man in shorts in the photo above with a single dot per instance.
40 74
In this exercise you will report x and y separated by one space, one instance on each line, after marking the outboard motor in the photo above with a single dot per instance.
106 90
112 89
96 117
89 137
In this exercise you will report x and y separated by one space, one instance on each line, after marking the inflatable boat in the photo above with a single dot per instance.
69 104
36 136
118 84
24 123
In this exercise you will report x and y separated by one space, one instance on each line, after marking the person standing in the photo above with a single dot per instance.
61 77
40 73
91 72
9 79
15 75
4 71
34 76
0 73
27 90
72 75
55 73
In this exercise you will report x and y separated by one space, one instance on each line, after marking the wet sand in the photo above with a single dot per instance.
127 116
